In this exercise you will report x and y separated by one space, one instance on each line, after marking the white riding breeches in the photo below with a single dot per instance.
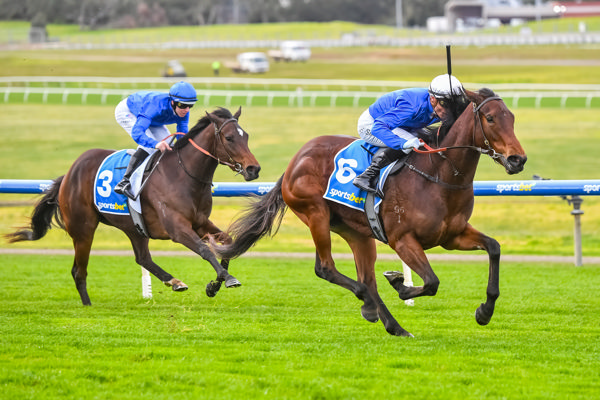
365 125
127 120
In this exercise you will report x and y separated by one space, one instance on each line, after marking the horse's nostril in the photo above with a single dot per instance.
516 160
253 171
516 163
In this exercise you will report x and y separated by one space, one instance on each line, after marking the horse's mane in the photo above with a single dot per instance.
201 125
457 105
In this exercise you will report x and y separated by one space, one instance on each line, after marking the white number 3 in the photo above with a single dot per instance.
106 178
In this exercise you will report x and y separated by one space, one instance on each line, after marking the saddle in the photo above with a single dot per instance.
372 212
349 162
109 173
138 180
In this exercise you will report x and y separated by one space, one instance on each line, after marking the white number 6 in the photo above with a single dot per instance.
345 172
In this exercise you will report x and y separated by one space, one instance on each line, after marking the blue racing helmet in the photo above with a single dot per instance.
183 92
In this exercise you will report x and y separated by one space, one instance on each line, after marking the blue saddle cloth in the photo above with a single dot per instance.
109 174
351 161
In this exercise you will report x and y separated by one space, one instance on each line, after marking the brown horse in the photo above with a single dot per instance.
427 204
176 200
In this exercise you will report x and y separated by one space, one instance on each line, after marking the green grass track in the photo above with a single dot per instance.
286 334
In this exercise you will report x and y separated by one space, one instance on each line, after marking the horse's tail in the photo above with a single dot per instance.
257 220
43 215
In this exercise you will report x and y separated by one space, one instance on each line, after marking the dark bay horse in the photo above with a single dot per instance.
427 204
176 200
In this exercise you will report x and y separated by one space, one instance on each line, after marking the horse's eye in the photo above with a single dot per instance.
229 138
489 118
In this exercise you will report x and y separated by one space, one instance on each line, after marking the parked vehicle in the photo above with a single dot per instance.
250 62
174 69
291 50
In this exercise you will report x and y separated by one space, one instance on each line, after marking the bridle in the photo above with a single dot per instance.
231 163
477 117
488 151
476 121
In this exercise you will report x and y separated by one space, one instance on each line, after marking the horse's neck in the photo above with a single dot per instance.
196 162
458 166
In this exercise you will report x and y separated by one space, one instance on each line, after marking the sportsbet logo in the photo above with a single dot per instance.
514 187
347 196
111 206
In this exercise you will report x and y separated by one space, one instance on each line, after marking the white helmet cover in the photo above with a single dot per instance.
440 86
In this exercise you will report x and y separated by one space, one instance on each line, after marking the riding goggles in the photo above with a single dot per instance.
181 105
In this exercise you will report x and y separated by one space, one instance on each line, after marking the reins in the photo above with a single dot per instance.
235 165
430 150
476 108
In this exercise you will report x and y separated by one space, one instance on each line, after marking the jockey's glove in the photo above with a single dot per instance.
410 144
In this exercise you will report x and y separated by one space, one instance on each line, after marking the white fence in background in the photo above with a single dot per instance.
270 92
412 39
269 98
267 83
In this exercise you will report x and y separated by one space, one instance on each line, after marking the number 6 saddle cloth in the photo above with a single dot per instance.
351 161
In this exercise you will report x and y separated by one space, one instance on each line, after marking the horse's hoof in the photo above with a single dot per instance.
369 315
176 285
399 331
395 278
212 288
480 316
180 288
232 282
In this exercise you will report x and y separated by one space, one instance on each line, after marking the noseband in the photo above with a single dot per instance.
232 163
489 151
236 165
477 121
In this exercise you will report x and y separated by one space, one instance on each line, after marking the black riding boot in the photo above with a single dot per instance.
124 187
368 179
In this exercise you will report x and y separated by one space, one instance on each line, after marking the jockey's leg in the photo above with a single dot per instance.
124 187
368 179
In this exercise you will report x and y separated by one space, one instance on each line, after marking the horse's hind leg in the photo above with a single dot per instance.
80 223
143 258
79 270
365 254
83 236
325 266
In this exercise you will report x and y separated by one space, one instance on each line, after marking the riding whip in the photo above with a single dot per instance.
449 65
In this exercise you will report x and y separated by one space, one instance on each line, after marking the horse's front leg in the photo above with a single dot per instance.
411 252
472 239
180 231
143 258
213 287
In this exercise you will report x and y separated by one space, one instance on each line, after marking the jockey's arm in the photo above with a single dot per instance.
138 132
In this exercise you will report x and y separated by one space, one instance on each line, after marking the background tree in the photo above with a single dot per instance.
93 14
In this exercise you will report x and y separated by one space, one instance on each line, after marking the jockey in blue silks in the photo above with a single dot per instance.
144 116
390 122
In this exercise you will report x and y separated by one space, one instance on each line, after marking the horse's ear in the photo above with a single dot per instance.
238 113
471 96
210 117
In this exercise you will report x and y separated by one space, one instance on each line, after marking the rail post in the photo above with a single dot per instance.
577 212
